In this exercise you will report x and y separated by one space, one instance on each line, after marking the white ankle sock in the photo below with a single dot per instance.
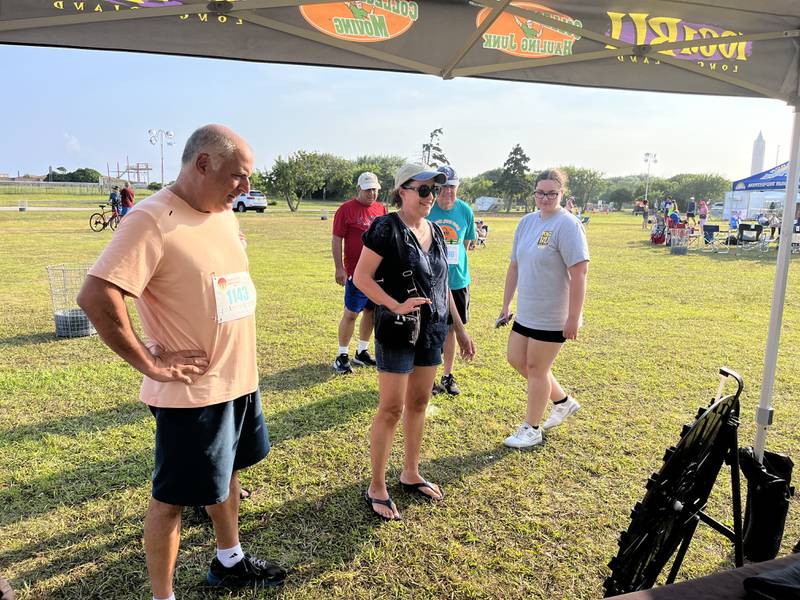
362 345
230 556
171 597
343 350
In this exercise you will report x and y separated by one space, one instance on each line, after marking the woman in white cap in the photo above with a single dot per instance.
548 268
403 270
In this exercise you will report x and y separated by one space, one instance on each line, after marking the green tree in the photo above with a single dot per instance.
295 178
432 153
84 175
620 196
700 185
513 183
584 184
337 176
154 185
475 187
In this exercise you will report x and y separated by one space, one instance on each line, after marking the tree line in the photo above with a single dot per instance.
322 176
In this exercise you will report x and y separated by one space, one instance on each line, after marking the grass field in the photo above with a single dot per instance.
76 445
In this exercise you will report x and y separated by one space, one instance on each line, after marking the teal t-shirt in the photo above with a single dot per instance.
458 224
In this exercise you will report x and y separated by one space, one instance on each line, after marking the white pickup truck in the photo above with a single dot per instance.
255 200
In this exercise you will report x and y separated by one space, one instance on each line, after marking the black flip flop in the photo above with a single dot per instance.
387 503
417 489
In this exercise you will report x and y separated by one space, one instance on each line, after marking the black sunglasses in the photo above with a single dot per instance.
424 190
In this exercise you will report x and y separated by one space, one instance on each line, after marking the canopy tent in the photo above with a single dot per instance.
771 179
721 47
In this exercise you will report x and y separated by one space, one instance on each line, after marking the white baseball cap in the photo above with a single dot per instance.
368 181
417 172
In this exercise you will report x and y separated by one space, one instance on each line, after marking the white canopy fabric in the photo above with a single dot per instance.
718 47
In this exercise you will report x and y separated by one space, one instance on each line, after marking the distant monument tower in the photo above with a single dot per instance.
758 155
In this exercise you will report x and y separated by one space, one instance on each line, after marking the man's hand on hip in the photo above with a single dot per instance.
183 365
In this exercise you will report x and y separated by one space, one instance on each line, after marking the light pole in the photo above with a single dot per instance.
159 136
649 158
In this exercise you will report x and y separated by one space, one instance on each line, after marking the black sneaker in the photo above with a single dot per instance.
449 383
363 359
248 572
437 389
342 364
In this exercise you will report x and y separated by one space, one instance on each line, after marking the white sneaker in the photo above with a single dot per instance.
525 437
561 412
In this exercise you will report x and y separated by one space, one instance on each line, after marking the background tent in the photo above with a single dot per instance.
771 179
728 47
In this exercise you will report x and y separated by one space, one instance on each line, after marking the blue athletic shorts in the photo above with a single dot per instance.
198 449
354 299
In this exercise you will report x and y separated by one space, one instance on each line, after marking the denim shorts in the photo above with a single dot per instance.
198 449
403 359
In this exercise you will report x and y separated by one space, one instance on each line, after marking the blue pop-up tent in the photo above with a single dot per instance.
771 179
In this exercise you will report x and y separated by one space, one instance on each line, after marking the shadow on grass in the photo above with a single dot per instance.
330 531
317 535
121 414
73 486
312 418
30 339
297 377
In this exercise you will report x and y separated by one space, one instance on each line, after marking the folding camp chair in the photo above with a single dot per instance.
796 239
715 240
748 236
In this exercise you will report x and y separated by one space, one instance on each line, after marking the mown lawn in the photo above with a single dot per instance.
76 445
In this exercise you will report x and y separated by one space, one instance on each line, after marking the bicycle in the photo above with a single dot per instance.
100 220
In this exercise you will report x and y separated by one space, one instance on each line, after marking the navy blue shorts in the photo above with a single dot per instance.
403 359
542 335
198 449
354 299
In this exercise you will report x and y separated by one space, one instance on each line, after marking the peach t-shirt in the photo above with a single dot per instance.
164 254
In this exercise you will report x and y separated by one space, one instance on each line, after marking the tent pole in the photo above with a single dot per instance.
764 410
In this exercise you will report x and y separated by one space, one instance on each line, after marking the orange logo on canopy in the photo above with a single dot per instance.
524 36
362 20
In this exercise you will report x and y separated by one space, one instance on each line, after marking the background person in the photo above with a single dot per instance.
457 221
399 243
114 199
126 196
690 210
350 222
645 214
548 268
180 257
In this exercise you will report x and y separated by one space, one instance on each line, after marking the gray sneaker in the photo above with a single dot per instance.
525 437
561 412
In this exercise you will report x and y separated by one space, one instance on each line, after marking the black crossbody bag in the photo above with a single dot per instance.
391 328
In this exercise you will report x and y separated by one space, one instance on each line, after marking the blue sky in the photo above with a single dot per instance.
77 108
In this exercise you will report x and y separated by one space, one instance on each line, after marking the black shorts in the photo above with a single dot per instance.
461 298
690 215
198 449
541 335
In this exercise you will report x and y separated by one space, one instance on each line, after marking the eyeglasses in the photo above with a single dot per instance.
550 195
424 190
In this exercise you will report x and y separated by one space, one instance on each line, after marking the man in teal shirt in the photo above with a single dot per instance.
457 221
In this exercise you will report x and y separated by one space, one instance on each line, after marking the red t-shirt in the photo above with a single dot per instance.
126 195
352 219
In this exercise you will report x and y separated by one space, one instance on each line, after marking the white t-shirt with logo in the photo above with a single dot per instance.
544 249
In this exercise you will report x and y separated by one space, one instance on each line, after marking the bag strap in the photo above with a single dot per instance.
408 274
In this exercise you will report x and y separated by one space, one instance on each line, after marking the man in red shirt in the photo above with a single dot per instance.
352 219
126 199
